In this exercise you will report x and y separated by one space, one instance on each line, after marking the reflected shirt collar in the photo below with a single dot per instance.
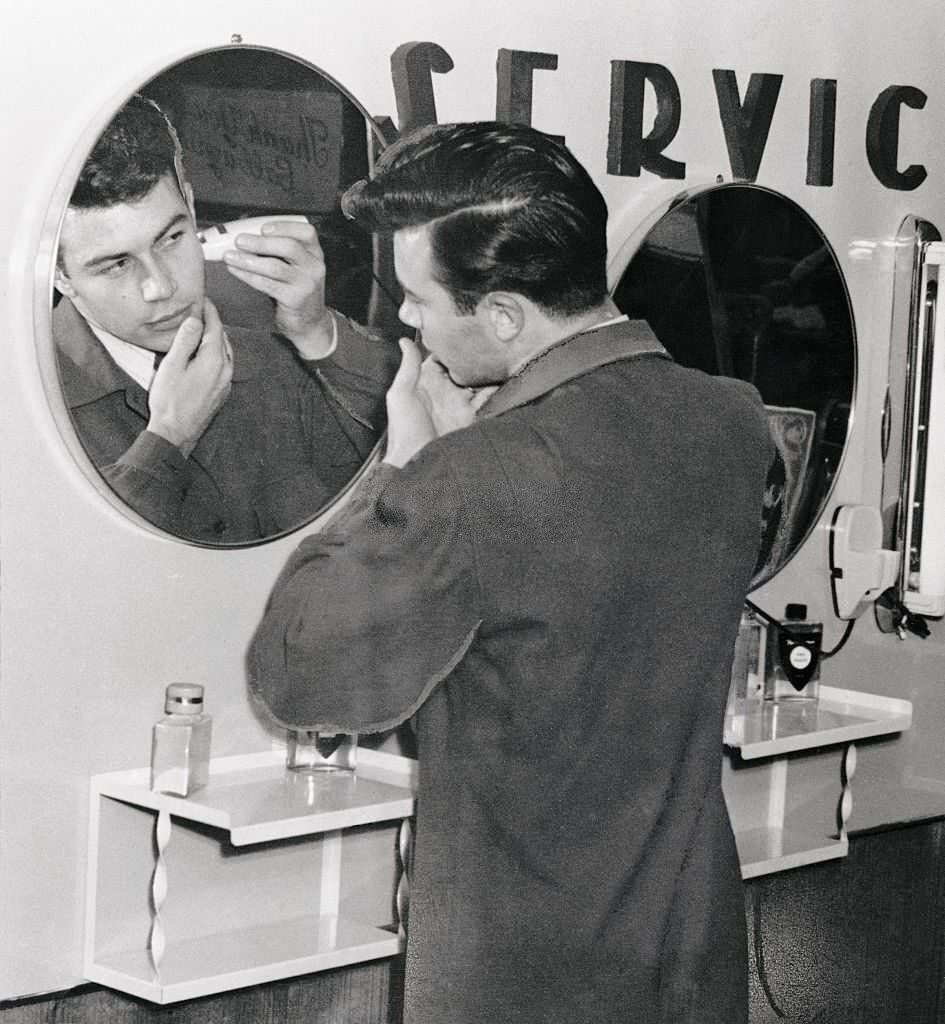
136 361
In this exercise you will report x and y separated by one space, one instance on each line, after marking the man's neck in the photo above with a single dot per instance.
548 331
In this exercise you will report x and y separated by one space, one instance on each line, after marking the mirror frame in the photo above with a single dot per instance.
55 203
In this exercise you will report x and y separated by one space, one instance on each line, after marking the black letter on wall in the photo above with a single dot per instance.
821 131
882 137
627 149
513 87
746 126
412 66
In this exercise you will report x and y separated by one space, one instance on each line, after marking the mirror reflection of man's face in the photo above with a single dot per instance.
134 269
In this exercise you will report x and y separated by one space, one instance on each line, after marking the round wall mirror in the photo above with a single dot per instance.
251 454
739 281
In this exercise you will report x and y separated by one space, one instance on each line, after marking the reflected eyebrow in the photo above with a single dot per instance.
98 261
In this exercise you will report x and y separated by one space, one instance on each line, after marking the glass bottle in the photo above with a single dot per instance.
180 744
310 751
792 658
747 665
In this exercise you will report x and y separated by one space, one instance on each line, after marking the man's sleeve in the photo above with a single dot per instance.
153 478
370 615
358 373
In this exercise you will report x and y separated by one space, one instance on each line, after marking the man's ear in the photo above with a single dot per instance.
63 284
506 314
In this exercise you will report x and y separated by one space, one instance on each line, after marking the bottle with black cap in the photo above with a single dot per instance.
792 657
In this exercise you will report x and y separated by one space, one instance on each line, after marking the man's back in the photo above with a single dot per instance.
553 595
570 799
549 584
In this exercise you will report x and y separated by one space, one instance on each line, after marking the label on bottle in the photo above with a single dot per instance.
800 658
799 652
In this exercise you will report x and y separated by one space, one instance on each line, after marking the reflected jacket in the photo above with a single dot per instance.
552 593
291 434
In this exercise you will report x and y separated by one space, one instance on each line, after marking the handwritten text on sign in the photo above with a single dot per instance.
262 148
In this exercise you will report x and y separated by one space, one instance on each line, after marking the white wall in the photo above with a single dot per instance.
97 614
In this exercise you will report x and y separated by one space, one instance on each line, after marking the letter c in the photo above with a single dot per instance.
882 137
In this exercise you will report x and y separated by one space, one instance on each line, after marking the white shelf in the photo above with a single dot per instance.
250 956
775 829
254 798
260 875
763 851
840 716
331 915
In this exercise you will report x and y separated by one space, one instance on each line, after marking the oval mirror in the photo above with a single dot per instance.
739 281
247 433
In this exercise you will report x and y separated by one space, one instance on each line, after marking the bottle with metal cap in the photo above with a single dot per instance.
180 743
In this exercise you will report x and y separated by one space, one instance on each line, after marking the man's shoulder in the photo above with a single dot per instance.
86 372
741 398
70 332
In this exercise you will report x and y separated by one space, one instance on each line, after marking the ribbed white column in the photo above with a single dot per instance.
847 771
157 942
404 848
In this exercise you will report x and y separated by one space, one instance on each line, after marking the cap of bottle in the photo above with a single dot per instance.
183 699
795 612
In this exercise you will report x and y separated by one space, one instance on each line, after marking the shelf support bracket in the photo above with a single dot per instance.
157 940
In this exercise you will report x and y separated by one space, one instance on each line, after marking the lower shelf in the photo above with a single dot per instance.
249 956
762 851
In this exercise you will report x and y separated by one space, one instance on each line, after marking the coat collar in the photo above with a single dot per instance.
86 371
572 357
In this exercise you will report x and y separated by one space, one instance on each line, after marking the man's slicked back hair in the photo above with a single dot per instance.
507 208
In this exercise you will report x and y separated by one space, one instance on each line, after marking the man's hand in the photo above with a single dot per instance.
423 403
451 406
192 382
286 262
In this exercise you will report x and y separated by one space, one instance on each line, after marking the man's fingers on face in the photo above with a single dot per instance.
408 373
435 377
432 365
411 363
211 317
214 336
410 354
482 395
188 337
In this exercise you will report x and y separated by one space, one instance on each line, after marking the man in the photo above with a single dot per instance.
236 435
551 586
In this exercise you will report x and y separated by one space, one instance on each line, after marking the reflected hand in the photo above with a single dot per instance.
192 382
286 262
